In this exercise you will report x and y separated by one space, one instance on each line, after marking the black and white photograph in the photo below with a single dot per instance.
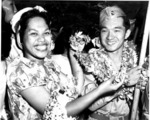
74 60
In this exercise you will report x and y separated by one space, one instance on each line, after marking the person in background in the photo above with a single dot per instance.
37 87
8 10
117 57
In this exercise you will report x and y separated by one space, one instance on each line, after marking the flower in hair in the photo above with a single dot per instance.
17 16
78 41
40 9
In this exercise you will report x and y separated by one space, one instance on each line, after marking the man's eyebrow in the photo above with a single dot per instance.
119 27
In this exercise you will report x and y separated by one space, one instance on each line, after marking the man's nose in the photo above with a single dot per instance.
110 35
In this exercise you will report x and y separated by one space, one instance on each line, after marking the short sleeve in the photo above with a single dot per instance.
21 77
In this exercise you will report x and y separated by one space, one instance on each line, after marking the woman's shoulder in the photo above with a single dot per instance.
2 66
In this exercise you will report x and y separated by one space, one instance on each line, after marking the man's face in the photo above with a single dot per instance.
9 9
113 34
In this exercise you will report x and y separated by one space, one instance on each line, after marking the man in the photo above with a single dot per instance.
117 58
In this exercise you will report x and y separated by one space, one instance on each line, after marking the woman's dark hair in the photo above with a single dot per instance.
27 16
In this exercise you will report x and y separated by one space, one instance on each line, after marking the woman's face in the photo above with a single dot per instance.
9 8
37 39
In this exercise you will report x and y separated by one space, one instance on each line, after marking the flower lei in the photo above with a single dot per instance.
79 39
61 94
99 64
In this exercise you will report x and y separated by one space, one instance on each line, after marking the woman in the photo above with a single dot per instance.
36 85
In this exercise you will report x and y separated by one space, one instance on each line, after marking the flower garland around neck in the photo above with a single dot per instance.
61 92
98 63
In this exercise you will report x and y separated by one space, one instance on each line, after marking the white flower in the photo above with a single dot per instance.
18 15
78 41
41 9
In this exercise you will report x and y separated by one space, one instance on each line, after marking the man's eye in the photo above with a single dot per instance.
117 30
103 30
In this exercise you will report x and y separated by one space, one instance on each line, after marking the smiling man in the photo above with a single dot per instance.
117 58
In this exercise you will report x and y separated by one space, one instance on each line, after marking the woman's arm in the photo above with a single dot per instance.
76 71
37 97
78 105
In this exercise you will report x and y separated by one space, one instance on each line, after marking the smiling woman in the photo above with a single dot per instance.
34 40
36 85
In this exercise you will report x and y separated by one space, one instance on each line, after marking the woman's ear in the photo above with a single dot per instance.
52 46
19 44
128 32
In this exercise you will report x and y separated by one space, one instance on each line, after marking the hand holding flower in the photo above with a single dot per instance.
78 41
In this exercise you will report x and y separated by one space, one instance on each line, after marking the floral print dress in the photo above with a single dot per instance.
23 73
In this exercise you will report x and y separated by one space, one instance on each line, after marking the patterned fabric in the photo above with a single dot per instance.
14 51
23 74
3 115
97 63
63 61
115 107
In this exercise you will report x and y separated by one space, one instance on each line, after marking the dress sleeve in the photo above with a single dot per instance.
21 77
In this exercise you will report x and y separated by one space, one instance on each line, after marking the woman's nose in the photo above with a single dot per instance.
41 38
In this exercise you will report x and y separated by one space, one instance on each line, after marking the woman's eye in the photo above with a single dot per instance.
33 34
47 33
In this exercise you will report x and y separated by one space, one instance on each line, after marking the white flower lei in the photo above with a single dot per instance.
99 64
60 94
77 40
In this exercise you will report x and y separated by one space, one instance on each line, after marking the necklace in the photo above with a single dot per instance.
101 66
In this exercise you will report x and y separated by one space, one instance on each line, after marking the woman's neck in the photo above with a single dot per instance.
39 61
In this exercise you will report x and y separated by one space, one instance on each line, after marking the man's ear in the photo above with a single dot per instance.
128 32
19 44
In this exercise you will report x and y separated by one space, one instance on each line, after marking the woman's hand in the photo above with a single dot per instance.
110 86
76 70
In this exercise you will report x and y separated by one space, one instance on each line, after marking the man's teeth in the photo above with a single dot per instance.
111 42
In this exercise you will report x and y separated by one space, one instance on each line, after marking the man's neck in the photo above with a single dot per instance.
116 57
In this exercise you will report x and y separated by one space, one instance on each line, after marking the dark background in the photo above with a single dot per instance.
87 12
